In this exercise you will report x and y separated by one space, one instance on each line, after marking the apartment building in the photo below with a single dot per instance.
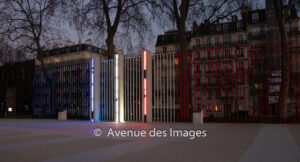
236 64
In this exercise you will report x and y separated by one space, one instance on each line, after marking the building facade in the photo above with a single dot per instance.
235 66
15 90
68 81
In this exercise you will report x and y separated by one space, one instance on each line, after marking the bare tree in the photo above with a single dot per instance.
29 24
9 54
183 12
109 17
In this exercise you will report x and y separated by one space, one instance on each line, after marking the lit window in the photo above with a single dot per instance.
217 108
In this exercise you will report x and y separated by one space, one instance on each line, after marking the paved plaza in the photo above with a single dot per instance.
52 140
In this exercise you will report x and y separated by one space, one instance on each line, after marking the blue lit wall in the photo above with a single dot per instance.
70 89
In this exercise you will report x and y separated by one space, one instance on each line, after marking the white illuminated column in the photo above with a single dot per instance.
117 88
119 92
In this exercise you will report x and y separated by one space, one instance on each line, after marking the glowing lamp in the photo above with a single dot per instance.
217 108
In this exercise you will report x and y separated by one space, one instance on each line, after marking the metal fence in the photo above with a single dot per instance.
106 90
133 89
164 87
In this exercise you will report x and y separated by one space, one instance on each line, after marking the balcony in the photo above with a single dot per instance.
257 35
224 44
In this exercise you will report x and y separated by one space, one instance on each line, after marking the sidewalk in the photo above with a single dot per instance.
52 140
273 143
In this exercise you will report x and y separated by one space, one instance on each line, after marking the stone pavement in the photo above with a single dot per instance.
52 140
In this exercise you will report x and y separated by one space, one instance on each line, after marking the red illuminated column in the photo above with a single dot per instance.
147 85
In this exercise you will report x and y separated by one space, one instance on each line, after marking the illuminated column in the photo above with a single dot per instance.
147 86
92 89
96 114
119 87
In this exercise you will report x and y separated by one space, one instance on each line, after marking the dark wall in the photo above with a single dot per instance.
17 76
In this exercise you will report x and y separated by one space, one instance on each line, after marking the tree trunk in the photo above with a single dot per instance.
185 91
285 60
110 45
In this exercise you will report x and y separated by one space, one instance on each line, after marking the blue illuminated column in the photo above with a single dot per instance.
92 87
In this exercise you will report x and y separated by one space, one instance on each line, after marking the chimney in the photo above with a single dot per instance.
57 45
120 52
206 22
234 18
104 47
89 42
194 27
244 13
69 43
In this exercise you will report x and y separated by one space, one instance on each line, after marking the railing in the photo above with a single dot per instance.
260 34
224 44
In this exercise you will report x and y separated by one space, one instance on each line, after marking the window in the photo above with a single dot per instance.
241 52
241 65
208 108
217 53
287 26
219 28
216 41
227 53
240 38
289 12
270 15
266 28
198 42
255 30
208 41
255 17
217 108
226 27
176 48
164 49
241 107
239 25
226 40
